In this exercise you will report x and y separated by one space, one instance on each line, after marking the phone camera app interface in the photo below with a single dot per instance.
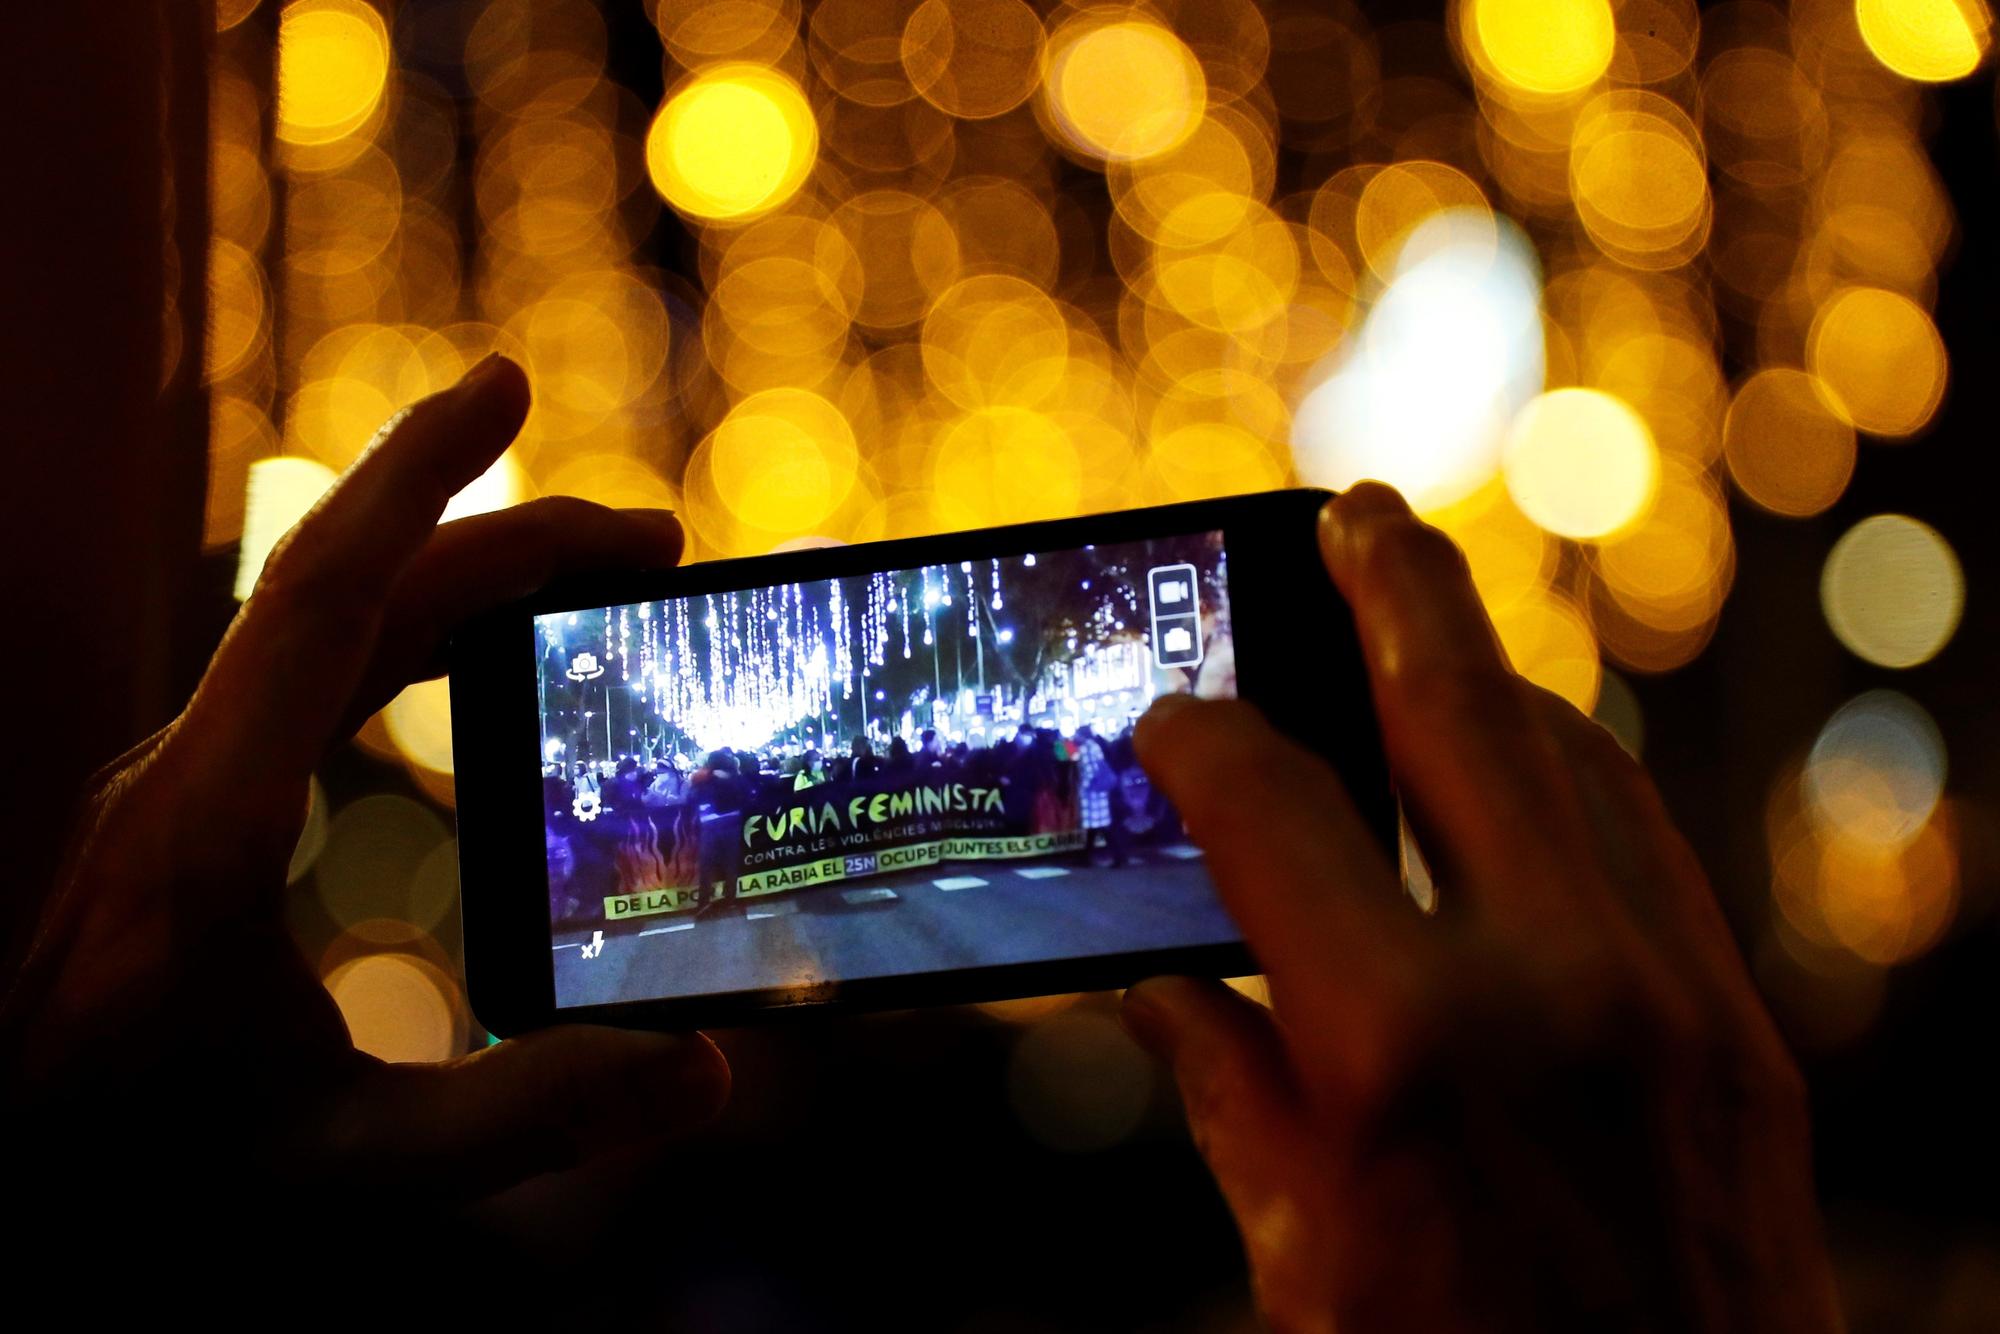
910 771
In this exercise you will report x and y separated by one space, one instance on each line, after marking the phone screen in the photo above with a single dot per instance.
903 772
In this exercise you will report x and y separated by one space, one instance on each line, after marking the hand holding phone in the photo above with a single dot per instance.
1559 1103
163 977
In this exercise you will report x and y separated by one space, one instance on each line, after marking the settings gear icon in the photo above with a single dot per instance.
586 806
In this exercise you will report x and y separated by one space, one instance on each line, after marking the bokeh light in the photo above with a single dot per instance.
418 721
1123 89
1930 40
1881 358
1581 463
1865 859
369 870
1449 352
1789 447
1892 590
281 491
333 65
1640 179
1028 1009
1077 1082
1586 281
1543 46
1877 770
974 59
396 1008
782 461
737 140
1548 640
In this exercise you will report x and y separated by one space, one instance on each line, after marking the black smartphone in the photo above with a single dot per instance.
882 775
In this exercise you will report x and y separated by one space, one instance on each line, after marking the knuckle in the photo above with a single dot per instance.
1392 544
1590 737
1449 689
299 581
296 560
1628 1004
560 513
428 415
1370 499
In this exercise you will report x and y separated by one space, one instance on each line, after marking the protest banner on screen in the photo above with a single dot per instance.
660 862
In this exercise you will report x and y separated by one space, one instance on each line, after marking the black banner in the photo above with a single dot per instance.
747 843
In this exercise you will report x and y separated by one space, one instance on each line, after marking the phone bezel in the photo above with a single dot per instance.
1292 631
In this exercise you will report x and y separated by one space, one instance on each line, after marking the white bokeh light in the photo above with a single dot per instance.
1422 396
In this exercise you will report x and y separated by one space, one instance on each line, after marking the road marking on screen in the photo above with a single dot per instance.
773 910
662 930
879 894
959 882
1187 852
1040 872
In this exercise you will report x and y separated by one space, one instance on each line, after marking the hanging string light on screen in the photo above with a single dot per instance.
767 661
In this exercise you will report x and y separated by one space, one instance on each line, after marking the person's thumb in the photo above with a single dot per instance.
1229 1061
543 1102
1249 1121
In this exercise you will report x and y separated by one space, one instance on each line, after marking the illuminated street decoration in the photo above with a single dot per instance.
842 657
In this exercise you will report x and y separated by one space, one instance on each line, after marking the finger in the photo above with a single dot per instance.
475 564
1304 877
545 1102
1227 1059
1477 768
282 680
1657 875
1247 1119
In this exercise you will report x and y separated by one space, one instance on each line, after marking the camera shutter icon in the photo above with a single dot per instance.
1175 595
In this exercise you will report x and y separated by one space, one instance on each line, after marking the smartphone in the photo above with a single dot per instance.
881 775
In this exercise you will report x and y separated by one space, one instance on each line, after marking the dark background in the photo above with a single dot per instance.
875 1171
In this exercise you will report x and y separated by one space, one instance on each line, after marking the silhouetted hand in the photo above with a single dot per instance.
1556 1105
163 981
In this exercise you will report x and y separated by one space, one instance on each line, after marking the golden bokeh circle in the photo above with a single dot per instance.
1881 358
1788 447
995 339
1005 464
732 143
1638 174
333 66
973 59
783 460
1581 463
396 1007
1931 41
1548 640
1122 89
1547 47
